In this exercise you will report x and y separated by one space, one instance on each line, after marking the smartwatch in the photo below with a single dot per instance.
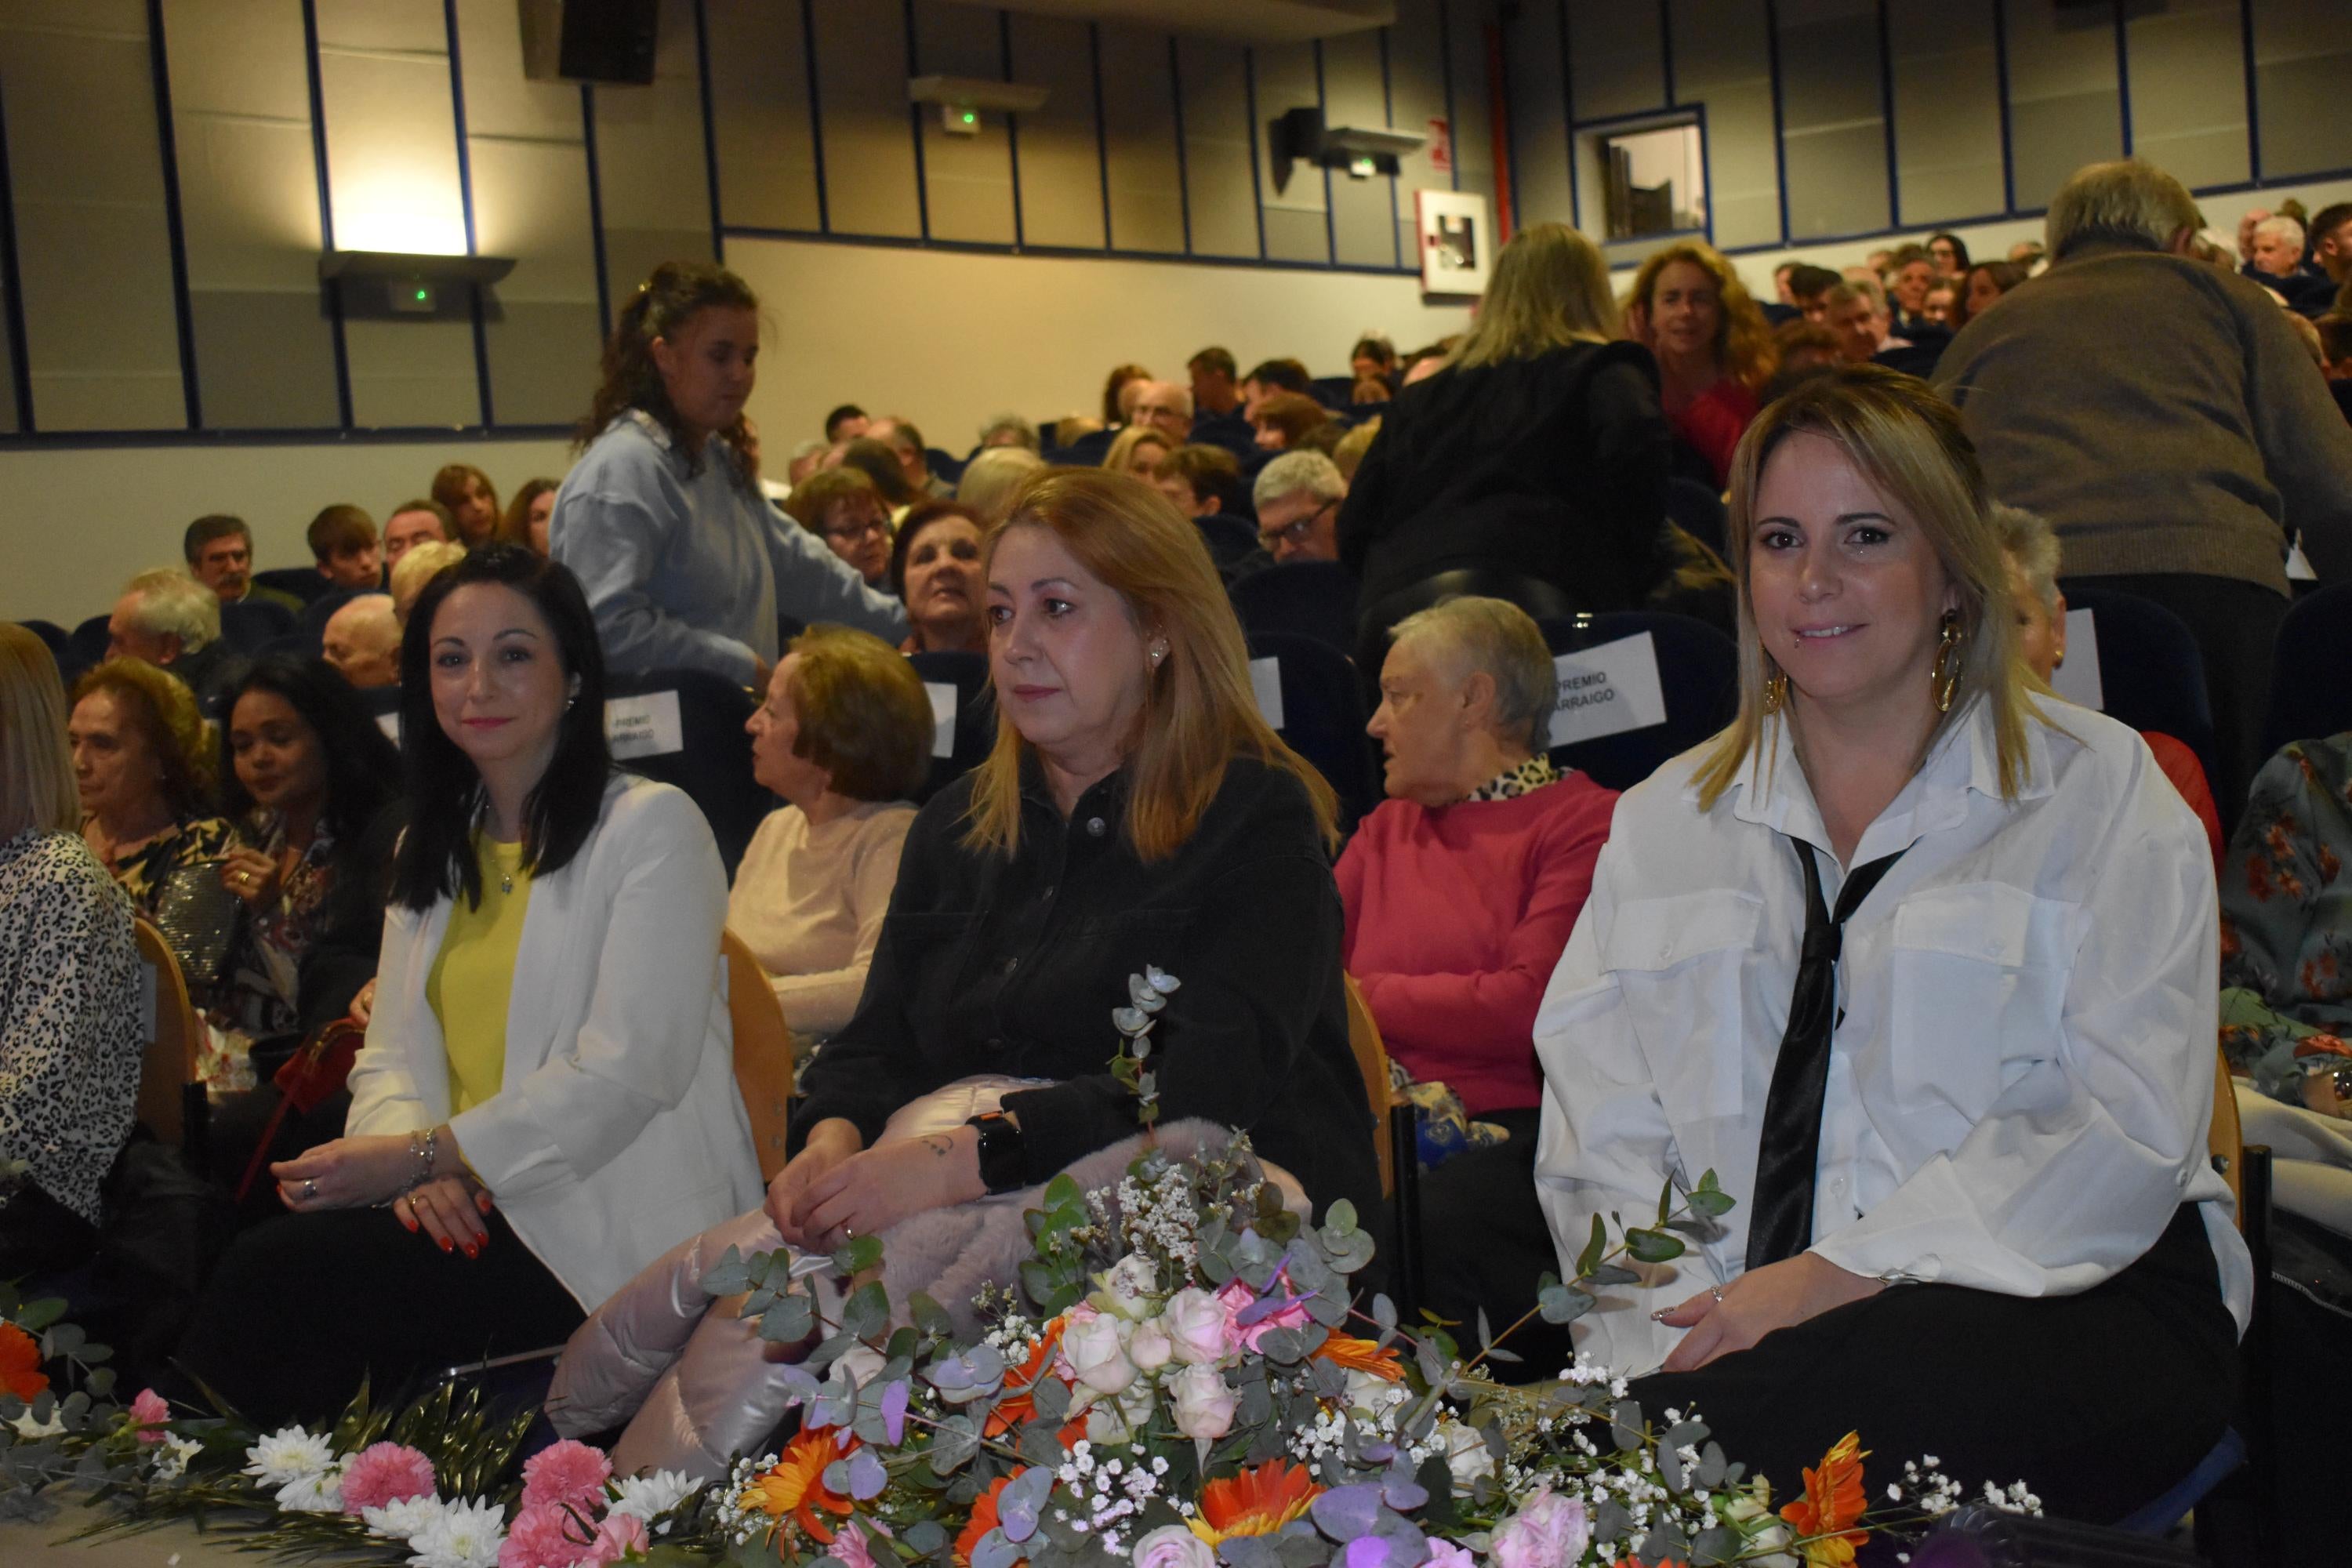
1000 1165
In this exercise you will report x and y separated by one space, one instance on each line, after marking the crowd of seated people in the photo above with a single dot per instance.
1619 990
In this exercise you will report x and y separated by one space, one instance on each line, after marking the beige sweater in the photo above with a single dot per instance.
809 903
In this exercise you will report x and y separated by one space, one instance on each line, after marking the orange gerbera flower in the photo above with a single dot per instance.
1832 1506
795 1485
20 1363
983 1520
1361 1355
1256 1503
1015 1405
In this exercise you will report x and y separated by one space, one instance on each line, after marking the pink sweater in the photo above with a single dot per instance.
1455 920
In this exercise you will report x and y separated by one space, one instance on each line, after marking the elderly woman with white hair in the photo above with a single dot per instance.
1460 892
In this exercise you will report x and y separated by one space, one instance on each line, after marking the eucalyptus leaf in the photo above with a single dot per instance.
1595 1250
1050 1397
1653 1246
1611 1274
729 1276
1563 1303
858 1255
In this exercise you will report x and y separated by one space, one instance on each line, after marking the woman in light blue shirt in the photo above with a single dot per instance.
686 564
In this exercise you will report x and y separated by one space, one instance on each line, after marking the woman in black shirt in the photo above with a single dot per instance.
1136 810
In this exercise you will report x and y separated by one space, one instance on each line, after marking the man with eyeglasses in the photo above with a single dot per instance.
1297 497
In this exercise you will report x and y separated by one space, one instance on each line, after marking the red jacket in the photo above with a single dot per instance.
1455 920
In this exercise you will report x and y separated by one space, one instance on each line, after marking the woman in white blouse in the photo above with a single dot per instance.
844 736
546 1102
1976 1218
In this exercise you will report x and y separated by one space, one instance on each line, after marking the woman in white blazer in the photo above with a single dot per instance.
546 1101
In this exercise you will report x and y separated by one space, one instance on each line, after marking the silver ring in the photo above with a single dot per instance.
309 1190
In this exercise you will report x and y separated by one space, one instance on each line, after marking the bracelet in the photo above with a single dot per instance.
421 1146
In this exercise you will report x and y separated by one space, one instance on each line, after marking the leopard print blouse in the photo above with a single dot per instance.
71 1030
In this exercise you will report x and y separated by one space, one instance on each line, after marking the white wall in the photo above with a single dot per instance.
951 340
77 524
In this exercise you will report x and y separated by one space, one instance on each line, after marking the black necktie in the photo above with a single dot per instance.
1788 1148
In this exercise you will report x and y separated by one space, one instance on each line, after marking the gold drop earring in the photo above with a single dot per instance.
1945 680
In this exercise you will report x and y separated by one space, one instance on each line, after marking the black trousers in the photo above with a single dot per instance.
2099 1401
1484 1240
304 1307
2236 625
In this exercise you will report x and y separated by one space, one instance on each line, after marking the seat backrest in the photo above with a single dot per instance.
1300 598
249 622
55 637
1699 511
86 646
2225 1141
972 731
1698 673
711 760
305 582
1322 716
1231 540
763 1053
2305 703
1373 1061
2151 676
168 1065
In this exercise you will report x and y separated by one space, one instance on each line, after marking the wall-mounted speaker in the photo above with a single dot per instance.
589 40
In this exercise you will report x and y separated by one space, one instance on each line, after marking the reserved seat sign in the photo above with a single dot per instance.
1607 690
644 726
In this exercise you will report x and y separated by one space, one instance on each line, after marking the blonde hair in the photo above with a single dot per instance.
417 567
991 480
865 716
160 704
1123 445
2129 200
1551 290
1909 444
2029 539
1198 710
1349 455
1743 338
37 777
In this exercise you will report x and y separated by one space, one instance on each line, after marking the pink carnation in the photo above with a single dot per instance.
620 1534
385 1473
567 1472
852 1547
1237 1298
548 1536
148 1414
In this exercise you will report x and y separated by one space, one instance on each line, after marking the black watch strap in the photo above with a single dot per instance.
1001 1169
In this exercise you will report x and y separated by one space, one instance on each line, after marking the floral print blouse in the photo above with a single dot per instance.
2286 920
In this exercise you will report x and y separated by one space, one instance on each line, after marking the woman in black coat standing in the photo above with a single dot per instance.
1539 452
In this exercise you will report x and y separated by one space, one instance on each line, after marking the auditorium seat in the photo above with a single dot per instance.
1697 510
943 465
310 625
54 635
1231 540
1538 598
304 583
1322 714
711 763
2311 688
87 647
973 729
1300 598
249 622
2150 673
1698 672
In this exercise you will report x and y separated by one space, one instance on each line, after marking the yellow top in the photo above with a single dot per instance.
472 975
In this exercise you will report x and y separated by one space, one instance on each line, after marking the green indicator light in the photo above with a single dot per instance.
422 294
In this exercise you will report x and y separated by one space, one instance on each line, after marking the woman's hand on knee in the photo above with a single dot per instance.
871 1192
1778 1295
448 1210
829 1144
345 1173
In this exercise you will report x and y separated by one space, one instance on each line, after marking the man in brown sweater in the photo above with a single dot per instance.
2162 414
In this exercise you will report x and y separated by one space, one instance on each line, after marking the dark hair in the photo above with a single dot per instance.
1959 249
515 526
1807 280
847 411
1286 374
440 513
662 304
2325 222
864 716
1209 470
212 526
1379 351
338 531
2335 332
816 494
1215 361
1295 416
879 462
363 769
2005 276
436 854
449 486
919 517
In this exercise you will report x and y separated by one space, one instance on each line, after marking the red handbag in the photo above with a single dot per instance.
312 1073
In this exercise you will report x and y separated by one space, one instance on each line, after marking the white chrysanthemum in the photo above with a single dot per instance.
286 1455
172 1455
403 1520
319 1493
33 1431
650 1496
467 1535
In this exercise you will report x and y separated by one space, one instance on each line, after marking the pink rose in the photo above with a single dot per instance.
1173 1546
548 1536
1094 1352
1199 1329
1204 1404
148 1415
851 1547
567 1472
1445 1554
1547 1532
1237 1298
621 1534
384 1473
